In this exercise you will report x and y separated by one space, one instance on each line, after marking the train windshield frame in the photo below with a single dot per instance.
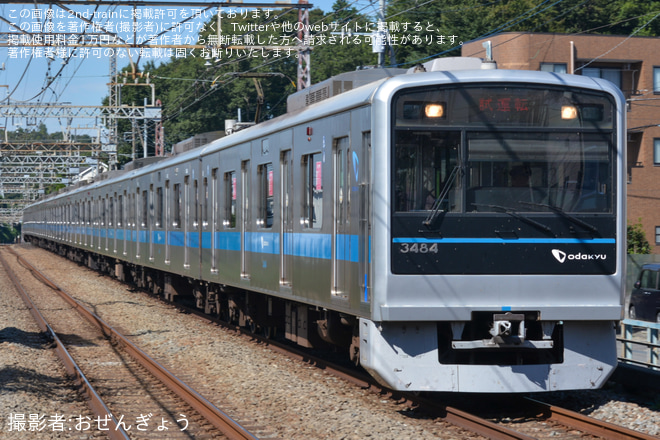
503 148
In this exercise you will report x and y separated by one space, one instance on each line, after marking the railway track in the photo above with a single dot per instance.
130 394
522 419
526 419
535 420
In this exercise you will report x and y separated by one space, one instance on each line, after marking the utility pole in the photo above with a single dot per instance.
381 35
304 53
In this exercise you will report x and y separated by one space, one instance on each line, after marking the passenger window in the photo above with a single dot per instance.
312 214
266 191
102 203
159 207
230 200
120 217
195 207
145 209
177 205
205 205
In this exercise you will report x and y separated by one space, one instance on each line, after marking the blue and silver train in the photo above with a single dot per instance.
453 230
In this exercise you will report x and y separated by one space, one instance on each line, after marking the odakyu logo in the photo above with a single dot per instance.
562 256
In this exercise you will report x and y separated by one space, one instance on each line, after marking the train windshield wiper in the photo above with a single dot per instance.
435 209
563 213
514 213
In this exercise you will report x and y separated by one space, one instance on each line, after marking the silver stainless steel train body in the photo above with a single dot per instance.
471 223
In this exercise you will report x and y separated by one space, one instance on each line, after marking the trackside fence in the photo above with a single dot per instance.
640 344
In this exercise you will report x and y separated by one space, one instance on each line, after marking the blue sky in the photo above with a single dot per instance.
81 79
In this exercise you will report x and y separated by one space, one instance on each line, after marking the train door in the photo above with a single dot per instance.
286 239
245 219
106 222
341 228
122 222
150 220
139 217
365 221
186 219
99 226
114 220
167 221
214 219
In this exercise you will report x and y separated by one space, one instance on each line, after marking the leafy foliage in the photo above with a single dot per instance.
472 19
8 233
637 242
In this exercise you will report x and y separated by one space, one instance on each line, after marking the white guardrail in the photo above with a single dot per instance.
640 343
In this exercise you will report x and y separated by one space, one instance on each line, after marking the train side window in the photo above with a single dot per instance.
176 192
159 207
120 217
195 207
214 198
266 186
111 211
230 200
312 210
205 198
145 209
102 203
131 209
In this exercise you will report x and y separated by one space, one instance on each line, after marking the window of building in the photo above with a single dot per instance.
553 67
657 235
656 80
656 152
613 75
313 190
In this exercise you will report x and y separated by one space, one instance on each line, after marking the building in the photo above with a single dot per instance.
632 63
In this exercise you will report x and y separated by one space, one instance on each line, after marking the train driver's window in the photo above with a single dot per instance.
312 212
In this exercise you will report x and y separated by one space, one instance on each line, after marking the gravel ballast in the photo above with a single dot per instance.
293 400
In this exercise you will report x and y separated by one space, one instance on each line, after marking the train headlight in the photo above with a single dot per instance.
434 110
569 112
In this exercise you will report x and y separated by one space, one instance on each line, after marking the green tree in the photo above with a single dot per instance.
340 53
472 19
637 242
8 233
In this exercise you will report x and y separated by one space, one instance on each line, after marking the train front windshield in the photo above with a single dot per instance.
501 163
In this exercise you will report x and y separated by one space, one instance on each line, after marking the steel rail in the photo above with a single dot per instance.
99 408
210 412
449 414
587 424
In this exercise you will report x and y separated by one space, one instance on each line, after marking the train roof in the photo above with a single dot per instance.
343 101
